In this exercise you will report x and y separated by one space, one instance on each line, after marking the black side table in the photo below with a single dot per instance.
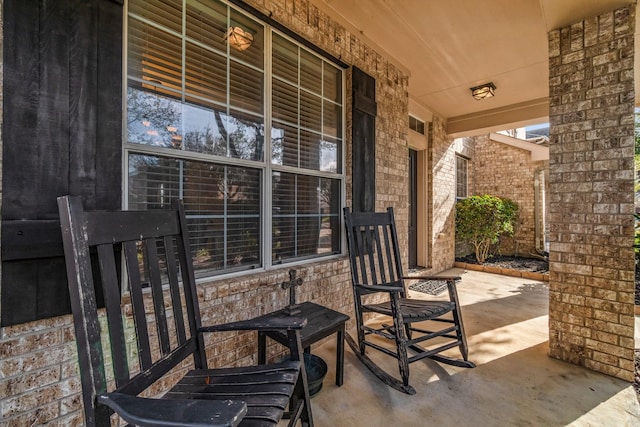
321 322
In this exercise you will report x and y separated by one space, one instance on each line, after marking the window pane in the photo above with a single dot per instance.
330 155
153 182
284 187
153 119
310 111
461 177
285 102
284 145
332 119
204 129
307 224
285 59
310 72
310 150
222 204
207 23
332 83
246 136
154 57
246 88
254 54
205 74
167 13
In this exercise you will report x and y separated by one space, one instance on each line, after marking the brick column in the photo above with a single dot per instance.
591 111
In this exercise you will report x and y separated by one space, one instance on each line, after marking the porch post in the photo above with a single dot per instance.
591 179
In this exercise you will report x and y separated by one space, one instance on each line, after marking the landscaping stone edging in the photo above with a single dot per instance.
544 277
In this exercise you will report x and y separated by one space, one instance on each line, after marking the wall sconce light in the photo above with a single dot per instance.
486 90
238 38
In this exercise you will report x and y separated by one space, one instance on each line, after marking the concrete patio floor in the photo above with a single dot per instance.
515 383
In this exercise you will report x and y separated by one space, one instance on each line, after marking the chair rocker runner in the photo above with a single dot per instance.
376 271
155 246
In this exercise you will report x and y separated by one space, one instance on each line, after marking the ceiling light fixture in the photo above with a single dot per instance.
486 90
238 38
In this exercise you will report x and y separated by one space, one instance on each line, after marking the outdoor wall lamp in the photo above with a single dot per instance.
238 38
486 90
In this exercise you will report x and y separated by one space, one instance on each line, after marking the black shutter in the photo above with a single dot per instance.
364 141
62 134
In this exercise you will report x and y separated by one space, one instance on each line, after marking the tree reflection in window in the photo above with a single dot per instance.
162 121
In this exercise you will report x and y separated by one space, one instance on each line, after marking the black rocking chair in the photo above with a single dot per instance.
155 246
376 268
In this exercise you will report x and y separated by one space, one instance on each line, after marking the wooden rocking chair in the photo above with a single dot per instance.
155 246
376 268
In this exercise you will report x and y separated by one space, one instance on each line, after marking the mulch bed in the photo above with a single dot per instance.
512 262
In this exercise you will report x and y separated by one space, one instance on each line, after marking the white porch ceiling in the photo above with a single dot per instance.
448 46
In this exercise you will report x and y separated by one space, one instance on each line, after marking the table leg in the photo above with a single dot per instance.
262 348
340 357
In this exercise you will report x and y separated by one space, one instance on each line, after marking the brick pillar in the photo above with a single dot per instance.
591 111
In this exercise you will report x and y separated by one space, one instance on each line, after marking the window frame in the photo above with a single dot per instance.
417 125
459 161
265 167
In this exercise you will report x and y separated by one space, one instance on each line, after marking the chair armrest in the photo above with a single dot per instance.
262 323
378 288
168 412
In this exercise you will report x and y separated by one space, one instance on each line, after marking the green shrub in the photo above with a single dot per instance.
482 220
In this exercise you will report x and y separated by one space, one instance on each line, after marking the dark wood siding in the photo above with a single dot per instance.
62 134
364 141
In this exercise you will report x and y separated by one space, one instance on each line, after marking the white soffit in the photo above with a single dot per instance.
446 47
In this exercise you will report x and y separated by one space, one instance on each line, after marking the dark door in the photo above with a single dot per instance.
413 208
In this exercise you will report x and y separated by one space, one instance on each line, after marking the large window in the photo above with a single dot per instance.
243 124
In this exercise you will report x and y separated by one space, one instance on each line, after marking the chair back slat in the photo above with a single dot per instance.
83 302
361 242
174 288
394 246
152 263
391 251
382 247
112 294
137 303
371 252
190 295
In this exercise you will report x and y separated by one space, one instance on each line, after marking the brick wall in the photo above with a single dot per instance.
442 166
591 188
506 171
39 381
